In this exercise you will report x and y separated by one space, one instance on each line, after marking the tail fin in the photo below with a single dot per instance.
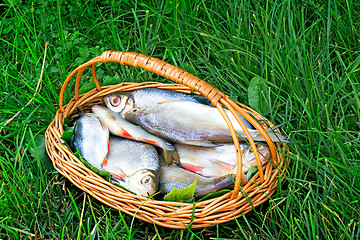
218 184
171 156
274 137
257 137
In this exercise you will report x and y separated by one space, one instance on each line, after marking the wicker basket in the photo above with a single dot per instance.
168 214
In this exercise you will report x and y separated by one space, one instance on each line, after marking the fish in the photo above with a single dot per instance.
133 165
177 177
91 137
122 102
191 123
220 160
117 125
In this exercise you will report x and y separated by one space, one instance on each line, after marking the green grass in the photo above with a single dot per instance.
305 52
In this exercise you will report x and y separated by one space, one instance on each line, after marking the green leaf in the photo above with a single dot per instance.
251 172
111 80
105 175
214 195
169 6
37 150
84 52
87 87
182 195
68 132
53 69
258 95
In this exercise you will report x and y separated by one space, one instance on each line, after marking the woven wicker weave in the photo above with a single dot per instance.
167 214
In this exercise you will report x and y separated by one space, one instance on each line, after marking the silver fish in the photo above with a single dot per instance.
122 102
133 165
175 176
220 160
91 137
190 123
117 125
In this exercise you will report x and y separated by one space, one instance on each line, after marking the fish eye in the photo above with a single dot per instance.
115 101
146 180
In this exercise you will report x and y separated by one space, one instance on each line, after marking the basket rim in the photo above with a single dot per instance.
207 207
260 186
176 74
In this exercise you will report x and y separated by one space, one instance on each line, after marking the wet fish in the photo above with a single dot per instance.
133 165
175 176
91 137
117 125
191 123
122 102
220 160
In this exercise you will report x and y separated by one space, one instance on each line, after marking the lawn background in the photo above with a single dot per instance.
304 53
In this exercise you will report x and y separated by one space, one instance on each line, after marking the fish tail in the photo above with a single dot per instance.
218 184
231 178
171 156
274 137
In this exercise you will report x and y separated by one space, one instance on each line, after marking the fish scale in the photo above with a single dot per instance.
176 177
147 98
90 132
190 123
117 125
130 162
220 160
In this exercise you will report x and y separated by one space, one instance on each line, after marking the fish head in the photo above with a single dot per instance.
143 182
132 115
264 154
119 102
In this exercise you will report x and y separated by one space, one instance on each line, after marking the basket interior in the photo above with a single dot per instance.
168 214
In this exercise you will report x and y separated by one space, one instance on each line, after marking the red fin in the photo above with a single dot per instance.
124 133
111 117
104 162
151 141
225 167
192 168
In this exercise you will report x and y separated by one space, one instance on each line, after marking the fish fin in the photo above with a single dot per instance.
103 125
219 183
104 162
276 137
225 167
124 133
119 175
171 156
192 168
111 117
153 142
199 143
273 136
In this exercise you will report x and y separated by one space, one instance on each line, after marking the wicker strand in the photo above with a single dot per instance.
168 214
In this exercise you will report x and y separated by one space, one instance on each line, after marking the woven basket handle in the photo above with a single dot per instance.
151 64
178 75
